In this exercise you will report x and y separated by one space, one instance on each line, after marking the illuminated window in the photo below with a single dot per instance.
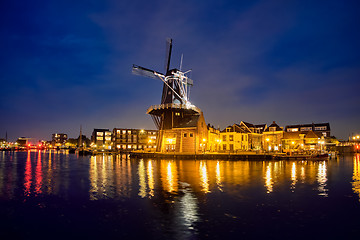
99 133
231 137
293 129
124 131
99 138
177 114
118 131
129 131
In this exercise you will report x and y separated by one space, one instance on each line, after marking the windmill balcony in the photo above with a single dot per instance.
157 109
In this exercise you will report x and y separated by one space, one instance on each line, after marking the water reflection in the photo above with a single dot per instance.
322 179
204 180
151 181
218 176
356 175
108 176
293 176
27 179
170 181
38 175
268 180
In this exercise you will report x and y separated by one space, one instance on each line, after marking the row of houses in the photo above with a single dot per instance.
239 137
273 138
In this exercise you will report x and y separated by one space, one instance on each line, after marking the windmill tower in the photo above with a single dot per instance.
181 124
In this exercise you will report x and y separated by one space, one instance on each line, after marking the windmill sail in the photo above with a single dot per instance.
141 71
168 55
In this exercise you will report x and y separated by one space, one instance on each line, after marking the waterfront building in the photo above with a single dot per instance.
213 144
255 135
23 142
125 139
303 141
322 128
59 139
241 137
272 137
101 138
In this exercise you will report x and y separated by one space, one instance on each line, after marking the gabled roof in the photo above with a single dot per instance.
261 127
277 128
249 125
312 134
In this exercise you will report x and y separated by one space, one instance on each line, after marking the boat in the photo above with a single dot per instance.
319 157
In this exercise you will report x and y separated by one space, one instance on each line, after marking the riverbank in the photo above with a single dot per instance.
229 156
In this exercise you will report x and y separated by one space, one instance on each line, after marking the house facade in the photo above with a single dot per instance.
125 139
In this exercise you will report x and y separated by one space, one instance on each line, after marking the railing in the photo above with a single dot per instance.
173 105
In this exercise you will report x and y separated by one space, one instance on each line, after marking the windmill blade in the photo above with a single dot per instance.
141 71
168 54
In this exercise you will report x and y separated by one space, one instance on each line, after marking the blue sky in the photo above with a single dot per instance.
68 63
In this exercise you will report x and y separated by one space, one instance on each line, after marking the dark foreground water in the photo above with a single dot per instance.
49 195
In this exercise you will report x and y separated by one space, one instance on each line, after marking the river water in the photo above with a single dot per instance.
56 195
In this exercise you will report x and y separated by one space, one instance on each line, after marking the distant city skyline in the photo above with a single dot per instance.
66 64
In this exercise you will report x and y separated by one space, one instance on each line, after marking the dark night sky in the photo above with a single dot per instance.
66 63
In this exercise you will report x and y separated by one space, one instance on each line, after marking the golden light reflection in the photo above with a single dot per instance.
27 179
171 177
302 174
322 179
151 182
293 176
356 175
204 180
142 179
268 180
218 176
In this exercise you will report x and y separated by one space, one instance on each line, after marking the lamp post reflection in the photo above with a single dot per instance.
204 177
268 179
322 179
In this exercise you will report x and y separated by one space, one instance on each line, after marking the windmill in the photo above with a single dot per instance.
175 110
